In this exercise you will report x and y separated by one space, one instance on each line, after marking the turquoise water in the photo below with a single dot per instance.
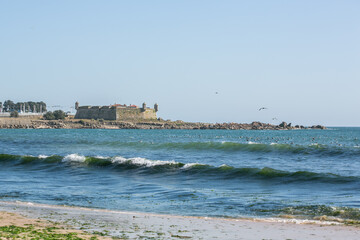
235 173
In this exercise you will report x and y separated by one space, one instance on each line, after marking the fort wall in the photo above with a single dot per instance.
135 114
87 112
115 113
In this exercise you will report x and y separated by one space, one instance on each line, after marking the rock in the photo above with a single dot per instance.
283 125
318 127
257 124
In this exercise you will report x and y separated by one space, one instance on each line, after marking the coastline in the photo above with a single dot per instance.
70 123
135 225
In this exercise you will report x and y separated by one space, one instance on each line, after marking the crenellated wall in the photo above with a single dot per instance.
114 113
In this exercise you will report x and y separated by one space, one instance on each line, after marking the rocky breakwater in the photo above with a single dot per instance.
159 124
225 126
25 123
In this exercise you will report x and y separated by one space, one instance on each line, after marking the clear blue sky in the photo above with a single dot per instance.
300 59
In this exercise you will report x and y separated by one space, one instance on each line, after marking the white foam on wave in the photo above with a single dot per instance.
250 142
190 165
139 161
74 158
224 165
274 143
42 156
142 161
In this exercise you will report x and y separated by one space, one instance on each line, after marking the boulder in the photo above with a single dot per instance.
283 125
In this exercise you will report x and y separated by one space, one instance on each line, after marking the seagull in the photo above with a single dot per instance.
263 108
216 93
274 118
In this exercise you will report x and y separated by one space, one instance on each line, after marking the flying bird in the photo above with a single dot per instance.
263 108
274 118
216 93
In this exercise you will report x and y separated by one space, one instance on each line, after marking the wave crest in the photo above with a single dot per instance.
162 167
74 158
142 161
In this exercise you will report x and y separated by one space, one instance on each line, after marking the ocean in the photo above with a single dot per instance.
301 174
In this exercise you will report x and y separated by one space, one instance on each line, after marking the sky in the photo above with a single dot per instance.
201 61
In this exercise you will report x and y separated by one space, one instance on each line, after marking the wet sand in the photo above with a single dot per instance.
134 225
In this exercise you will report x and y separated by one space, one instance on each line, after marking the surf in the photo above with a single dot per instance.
147 166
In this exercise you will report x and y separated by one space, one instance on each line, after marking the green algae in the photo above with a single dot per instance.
30 232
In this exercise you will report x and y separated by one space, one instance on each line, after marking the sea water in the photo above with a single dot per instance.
219 173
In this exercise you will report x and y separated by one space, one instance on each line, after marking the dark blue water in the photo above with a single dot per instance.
305 173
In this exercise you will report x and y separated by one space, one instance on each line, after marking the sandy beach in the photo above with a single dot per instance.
133 225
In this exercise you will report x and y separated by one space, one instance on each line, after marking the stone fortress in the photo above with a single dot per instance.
116 112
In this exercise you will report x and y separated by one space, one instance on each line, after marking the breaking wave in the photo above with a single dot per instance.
157 166
316 212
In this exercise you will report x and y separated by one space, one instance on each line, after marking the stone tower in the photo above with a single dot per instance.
156 107
144 106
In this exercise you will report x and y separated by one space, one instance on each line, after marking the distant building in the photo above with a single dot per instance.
116 112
